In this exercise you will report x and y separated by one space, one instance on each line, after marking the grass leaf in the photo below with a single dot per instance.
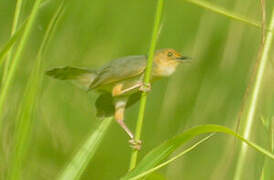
24 123
79 162
222 11
13 31
17 55
14 37
172 159
255 86
9 44
160 153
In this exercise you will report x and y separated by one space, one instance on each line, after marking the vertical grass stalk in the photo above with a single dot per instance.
254 97
24 120
267 170
13 66
6 48
13 31
10 43
160 5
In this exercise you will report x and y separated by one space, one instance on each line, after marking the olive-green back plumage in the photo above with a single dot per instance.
119 69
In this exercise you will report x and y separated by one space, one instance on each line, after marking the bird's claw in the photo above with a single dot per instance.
145 87
135 144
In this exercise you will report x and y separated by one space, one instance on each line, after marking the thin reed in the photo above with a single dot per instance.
139 124
25 113
5 88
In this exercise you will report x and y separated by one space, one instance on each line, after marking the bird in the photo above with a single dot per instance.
120 82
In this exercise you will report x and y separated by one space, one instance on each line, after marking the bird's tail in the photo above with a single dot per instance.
78 76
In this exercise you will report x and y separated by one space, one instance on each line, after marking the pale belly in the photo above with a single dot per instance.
127 83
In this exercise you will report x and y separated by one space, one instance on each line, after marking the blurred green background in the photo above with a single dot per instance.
209 90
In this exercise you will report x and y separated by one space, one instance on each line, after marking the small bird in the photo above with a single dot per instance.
120 82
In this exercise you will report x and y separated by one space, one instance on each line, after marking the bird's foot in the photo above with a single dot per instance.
145 87
135 144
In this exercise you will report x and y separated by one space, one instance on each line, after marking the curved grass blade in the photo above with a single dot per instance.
9 44
16 35
222 11
13 31
79 162
24 123
255 89
172 159
17 55
160 153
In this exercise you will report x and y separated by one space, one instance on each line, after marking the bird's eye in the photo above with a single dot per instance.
169 54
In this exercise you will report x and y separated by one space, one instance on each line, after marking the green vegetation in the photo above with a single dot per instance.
49 130
77 166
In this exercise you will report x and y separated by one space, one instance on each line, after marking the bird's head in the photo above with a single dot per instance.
166 62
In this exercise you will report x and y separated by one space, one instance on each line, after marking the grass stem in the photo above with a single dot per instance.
19 51
13 31
254 97
143 100
24 121
6 48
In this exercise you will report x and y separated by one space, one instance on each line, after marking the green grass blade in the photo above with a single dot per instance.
255 90
143 100
79 162
171 159
267 171
50 30
13 31
19 51
24 123
9 44
222 11
15 36
160 153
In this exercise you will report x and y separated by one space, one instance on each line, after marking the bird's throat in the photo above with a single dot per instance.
164 70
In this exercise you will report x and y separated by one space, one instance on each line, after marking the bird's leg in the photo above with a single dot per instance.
119 117
141 86
145 87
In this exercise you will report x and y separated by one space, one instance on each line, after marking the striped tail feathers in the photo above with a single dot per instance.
79 76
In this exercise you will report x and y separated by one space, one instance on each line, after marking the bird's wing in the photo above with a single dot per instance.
120 69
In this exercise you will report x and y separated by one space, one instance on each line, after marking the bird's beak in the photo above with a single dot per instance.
184 59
